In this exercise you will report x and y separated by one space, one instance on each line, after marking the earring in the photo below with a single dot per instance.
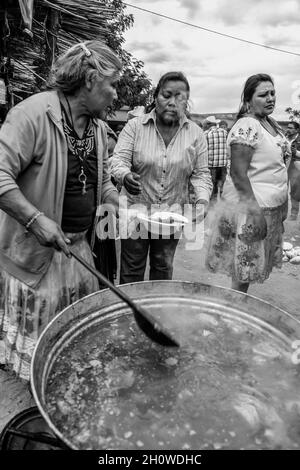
247 108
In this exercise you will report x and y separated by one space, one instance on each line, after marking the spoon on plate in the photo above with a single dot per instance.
147 323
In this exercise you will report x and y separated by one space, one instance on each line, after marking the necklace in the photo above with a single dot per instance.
79 153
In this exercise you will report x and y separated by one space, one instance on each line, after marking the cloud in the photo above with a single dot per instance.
159 57
217 67
230 15
179 45
224 94
286 13
192 6
284 41
144 46
149 2
146 5
263 12
156 20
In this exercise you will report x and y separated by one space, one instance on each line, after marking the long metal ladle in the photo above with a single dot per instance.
149 325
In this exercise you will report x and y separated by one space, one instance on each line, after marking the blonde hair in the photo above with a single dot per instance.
69 71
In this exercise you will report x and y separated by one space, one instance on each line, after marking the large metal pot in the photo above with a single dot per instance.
96 309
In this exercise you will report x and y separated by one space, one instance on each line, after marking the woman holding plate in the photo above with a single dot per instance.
157 155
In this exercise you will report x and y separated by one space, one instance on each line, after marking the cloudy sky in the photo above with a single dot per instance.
216 66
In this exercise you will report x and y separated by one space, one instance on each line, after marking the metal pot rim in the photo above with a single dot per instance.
285 320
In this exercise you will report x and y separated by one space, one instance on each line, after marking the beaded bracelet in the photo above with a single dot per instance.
33 219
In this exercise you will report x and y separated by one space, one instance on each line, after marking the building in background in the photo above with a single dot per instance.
119 118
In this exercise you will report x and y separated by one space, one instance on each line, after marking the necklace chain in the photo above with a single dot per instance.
82 178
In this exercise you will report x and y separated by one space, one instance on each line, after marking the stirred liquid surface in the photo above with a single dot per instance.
231 385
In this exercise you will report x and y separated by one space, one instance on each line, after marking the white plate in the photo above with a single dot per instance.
161 218
164 217
155 224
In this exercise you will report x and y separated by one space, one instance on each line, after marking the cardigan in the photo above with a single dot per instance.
33 158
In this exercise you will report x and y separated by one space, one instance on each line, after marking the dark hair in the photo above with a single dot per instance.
295 124
169 76
249 90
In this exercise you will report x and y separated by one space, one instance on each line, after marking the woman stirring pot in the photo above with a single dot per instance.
53 175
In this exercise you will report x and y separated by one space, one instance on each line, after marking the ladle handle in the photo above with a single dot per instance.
104 280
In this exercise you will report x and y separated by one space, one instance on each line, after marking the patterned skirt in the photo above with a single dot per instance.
24 312
232 251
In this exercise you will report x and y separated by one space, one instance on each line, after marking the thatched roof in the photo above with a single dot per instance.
56 25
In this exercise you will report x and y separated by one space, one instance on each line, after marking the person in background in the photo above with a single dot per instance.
217 155
223 125
293 137
156 157
112 142
112 139
135 112
53 176
105 256
119 128
246 236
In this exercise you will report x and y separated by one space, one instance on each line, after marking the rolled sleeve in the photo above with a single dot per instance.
121 161
17 138
201 178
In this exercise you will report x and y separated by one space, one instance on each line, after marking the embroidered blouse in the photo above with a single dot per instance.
267 171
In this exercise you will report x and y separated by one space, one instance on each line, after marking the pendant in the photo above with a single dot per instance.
82 179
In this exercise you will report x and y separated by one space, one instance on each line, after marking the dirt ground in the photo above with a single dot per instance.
282 290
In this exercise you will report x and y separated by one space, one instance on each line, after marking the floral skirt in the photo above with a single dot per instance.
25 312
232 251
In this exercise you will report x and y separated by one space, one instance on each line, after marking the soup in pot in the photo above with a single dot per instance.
231 385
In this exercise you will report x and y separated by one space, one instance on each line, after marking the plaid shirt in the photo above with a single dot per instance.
216 143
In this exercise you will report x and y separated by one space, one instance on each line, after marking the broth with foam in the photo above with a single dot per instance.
231 385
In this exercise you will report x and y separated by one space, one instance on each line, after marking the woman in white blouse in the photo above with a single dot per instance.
247 239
